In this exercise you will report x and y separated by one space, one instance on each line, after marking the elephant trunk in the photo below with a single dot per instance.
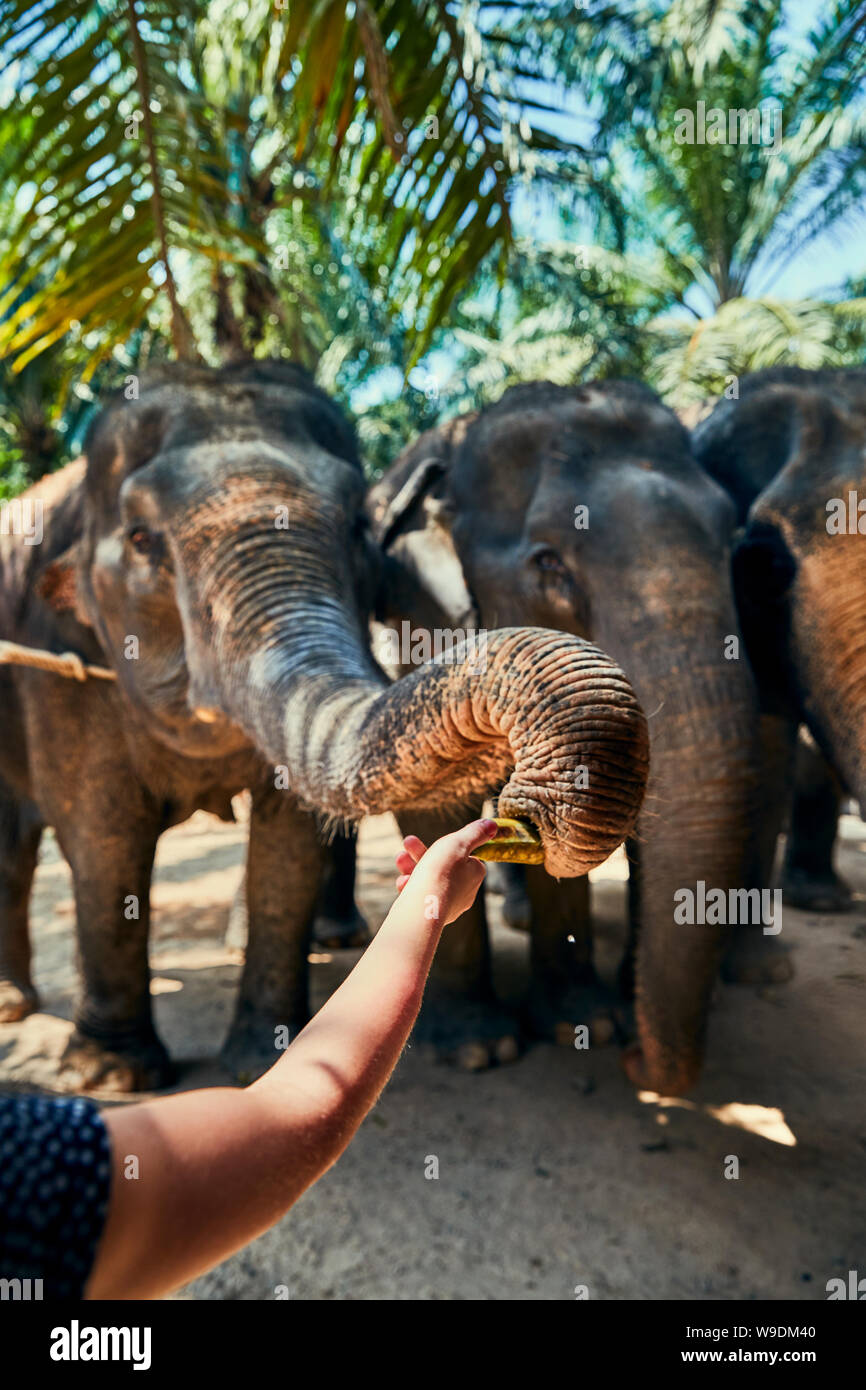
274 641
698 825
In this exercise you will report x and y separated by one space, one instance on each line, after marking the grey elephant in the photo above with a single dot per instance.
582 508
791 451
211 549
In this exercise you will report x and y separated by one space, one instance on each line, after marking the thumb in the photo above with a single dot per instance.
478 832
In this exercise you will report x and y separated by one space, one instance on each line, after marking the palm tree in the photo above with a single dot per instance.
693 364
143 139
722 216
717 222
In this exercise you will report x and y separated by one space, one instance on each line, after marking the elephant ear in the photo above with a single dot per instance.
744 443
55 581
57 586
412 516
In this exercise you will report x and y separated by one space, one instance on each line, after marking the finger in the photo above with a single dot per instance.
478 832
405 862
415 847
401 882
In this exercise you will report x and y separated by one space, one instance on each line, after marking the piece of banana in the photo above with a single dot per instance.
516 842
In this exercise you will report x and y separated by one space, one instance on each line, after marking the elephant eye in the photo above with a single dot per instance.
143 541
548 562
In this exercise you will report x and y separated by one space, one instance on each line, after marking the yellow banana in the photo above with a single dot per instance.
516 842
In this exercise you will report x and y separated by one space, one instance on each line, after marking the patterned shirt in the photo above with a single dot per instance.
55 1179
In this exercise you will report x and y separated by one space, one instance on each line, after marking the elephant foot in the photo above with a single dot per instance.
556 1008
341 933
666 1076
825 892
134 1064
469 1032
755 959
16 1001
254 1043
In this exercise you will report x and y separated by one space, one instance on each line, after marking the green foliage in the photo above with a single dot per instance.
694 360
335 181
566 313
45 407
704 226
146 137
385 428
13 472
718 214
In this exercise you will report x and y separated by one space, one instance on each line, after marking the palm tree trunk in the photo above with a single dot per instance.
181 333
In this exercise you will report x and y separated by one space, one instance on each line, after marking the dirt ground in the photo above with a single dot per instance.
553 1173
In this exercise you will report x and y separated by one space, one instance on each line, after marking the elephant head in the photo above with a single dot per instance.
582 508
226 569
794 447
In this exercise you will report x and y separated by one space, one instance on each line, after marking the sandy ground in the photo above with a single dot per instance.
553 1173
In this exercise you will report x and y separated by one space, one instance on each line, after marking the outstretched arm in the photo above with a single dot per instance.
218 1167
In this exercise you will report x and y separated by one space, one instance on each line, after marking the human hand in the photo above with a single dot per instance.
445 872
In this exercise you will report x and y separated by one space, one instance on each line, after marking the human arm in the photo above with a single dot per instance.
218 1167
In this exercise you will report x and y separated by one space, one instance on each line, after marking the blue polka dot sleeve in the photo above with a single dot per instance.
55 1178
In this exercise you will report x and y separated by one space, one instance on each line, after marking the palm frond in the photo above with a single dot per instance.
171 130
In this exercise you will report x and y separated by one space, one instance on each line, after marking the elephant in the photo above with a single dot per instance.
582 508
211 550
788 448
339 923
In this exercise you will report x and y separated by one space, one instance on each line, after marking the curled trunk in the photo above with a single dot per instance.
281 650
546 706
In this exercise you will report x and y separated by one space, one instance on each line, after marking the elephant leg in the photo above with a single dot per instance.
115 1045
461 1018
20 834
753 956
282 878
510 881
238 929
627 973
338 922
809 880
565 992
